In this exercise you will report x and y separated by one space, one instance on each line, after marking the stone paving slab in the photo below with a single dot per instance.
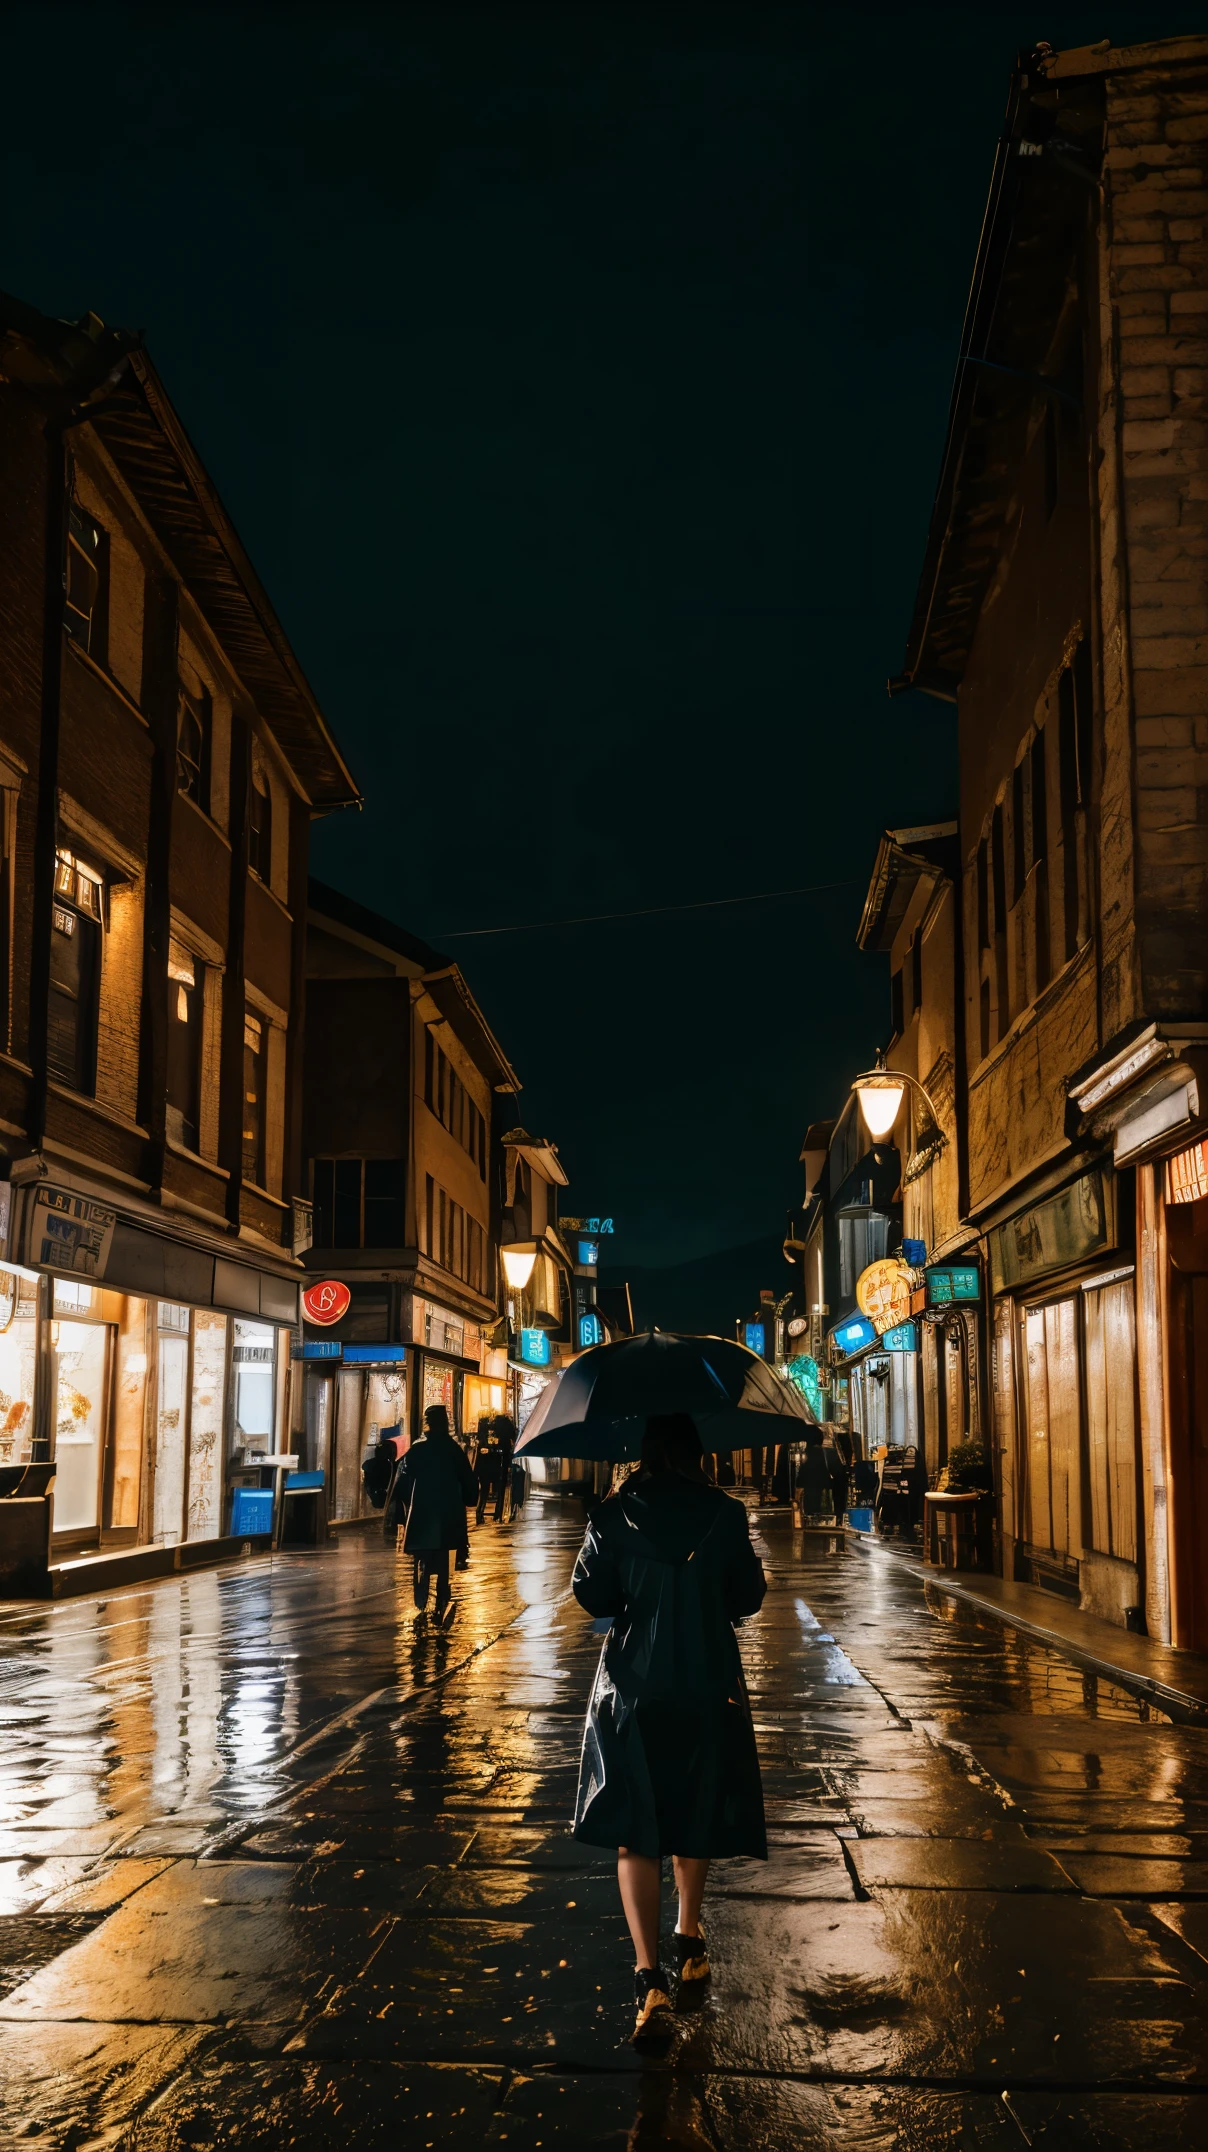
956 1864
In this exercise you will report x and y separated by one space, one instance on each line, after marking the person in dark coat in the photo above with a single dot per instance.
813 1483
505 1435
669 1762
488 1471
433 1488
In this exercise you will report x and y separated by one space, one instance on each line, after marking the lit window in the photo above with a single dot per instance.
185 1008
253 1099
75 970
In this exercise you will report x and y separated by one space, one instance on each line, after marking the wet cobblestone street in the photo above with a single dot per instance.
276 1870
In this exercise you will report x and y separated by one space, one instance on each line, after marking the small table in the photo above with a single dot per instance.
954 1534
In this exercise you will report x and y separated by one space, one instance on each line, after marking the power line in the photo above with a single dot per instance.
650 911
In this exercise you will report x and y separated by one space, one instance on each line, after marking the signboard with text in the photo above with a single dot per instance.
951 1282
70 1232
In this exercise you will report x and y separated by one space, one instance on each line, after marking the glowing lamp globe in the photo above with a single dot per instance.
880 1102
518 1262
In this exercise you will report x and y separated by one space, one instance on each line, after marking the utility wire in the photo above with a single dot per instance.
650 911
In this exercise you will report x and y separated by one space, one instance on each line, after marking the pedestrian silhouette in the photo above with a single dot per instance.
669 1761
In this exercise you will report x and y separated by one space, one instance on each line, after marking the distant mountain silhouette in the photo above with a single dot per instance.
709 1294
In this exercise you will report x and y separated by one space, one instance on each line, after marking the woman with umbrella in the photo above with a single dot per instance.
669 1762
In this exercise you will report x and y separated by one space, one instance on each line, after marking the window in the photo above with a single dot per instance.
360 1202
385 1203
260 830
194 732
186 997
253 1098
452 1238
862 1240
86 602
1040 869
998 879
75 973
446 1096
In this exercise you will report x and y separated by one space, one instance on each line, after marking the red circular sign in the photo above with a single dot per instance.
325 1303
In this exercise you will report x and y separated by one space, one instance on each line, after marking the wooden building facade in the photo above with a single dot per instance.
1063 612
161 759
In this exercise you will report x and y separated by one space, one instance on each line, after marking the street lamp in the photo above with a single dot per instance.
881 1092
518 1259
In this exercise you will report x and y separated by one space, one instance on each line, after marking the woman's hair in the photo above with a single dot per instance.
813 1438
436 1420
503 1427
672 1444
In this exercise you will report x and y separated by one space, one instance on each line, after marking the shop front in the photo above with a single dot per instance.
1064 1380
150 1410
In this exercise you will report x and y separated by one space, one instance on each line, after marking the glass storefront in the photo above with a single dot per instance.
203 1518
18 1366
79 1368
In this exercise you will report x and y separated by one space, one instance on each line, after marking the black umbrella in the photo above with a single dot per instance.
599 1405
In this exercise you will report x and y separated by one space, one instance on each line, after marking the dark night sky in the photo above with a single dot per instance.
576 377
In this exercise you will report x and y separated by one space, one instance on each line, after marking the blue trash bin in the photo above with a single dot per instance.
251 1511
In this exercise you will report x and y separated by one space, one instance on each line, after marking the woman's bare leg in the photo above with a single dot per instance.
690 1879
640 1881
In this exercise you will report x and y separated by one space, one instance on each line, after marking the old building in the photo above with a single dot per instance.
407 1094
912 914
1063 611
161 758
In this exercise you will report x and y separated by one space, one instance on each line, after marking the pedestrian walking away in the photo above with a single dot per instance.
488 1473
433 1488
669 1762
813 1489
505 1435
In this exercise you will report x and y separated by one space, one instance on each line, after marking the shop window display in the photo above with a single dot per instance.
79 1368
171 1405
440 1388
18 1365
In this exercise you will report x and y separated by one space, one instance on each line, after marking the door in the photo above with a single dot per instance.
1003 1373
80 1399
350 1419
1111 1418
320 1406
1053 1425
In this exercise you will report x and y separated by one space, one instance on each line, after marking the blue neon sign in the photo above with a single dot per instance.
589 1254
853 1336
591 1329
534 1348
754 1337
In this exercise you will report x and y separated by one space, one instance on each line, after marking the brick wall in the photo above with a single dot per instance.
1158 261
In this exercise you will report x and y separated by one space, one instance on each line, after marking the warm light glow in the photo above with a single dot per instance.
518 1265
880 1102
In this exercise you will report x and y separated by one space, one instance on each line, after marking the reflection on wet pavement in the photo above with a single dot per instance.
275 1869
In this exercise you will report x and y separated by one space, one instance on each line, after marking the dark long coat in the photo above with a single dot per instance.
669 1761
433 1488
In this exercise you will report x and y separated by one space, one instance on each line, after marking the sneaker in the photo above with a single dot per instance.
692 1955
650 1993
